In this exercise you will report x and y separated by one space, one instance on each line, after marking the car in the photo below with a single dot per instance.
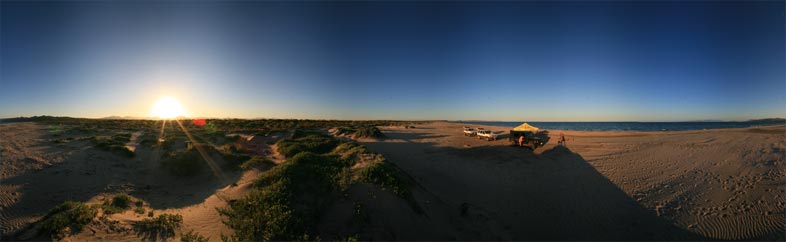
488 134
470 131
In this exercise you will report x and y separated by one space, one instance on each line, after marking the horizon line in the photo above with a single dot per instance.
115 117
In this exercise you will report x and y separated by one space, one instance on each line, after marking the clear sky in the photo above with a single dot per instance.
535 61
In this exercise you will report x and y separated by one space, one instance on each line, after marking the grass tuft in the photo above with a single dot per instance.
118 204
192 236
67 217
163 226
115 144
256 161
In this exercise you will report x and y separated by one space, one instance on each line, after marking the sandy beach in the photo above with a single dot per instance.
688 185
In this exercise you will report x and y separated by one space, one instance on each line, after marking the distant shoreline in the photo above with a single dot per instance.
633 126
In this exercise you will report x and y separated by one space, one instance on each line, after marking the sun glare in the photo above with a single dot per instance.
167 108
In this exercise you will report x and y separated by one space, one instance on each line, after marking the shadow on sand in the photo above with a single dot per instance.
554 195
89 173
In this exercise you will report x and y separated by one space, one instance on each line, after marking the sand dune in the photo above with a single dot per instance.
688 185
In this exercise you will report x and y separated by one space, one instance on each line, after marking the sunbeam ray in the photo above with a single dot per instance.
213 166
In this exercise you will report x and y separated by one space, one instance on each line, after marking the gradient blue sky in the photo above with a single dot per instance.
537 61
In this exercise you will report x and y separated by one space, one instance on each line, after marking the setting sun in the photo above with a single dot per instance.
167 108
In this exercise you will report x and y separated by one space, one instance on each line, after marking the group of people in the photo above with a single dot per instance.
560 141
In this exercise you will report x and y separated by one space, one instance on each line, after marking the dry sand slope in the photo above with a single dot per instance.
715 184
36 174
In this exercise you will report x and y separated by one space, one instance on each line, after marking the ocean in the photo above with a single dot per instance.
631 126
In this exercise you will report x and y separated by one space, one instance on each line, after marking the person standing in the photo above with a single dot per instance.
561 140
521 140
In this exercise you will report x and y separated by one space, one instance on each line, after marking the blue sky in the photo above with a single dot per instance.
536 61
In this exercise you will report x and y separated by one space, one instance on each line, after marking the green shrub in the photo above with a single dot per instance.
139 210
73 215
234 160
118 204
344 131
290 197
256 161
369 132
303 133
350 152
121 201
386 176
115 144
183 163
162 226
192 236
319 144
289 201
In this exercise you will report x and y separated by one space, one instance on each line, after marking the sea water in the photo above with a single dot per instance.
630 126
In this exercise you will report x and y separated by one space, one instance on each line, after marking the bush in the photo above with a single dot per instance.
256 161
118 204
344 131
192 236
121 201
139 210
369 132
289 202
233 160
291 197
72 215
386 176
184 163
303 133
162 226
350 151
319 144
115 144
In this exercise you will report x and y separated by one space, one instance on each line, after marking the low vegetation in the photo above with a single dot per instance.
68 217
117 204
359 132
291 197
210 126
302 141
163 226
192 236
186 162
256 161
115 144
369 132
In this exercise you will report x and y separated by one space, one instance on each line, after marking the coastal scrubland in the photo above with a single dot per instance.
250 180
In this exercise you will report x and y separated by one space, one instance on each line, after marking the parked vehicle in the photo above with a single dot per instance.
470 131
487 134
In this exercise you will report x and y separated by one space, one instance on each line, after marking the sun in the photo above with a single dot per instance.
167 108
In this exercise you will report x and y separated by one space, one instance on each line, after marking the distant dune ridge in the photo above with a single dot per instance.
676 185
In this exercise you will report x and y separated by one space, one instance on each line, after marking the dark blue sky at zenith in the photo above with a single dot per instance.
542 61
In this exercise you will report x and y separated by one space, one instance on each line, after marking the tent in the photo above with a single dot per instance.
526 127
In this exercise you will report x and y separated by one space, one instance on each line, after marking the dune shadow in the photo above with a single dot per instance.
89 173
551 195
